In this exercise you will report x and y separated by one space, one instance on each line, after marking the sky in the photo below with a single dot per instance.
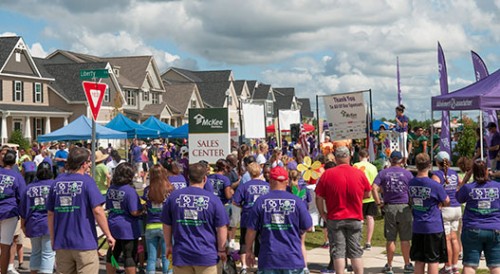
319 47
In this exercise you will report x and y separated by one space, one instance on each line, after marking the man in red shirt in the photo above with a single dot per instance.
343 188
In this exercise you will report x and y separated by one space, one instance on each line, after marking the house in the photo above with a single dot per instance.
139 80
263 95
305 110
25 93
180 98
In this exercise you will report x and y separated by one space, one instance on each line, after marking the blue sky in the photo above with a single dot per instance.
318 47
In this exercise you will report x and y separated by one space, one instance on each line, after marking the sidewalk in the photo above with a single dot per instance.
373 260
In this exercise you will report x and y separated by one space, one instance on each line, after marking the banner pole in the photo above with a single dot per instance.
317 120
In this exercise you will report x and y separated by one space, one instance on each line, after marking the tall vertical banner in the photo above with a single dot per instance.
347 113
481 72
444 141
209 138
400 98
287 117
254 122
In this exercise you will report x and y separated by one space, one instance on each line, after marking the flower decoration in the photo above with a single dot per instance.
298 193
309 170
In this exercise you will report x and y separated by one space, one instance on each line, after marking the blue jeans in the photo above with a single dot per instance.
154 239
42 256
476 240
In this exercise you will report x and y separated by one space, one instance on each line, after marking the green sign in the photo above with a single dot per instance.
86 74
208 120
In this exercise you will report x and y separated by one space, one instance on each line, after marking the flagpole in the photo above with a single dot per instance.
317 119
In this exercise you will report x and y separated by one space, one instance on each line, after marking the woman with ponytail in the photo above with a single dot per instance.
481 220
452 214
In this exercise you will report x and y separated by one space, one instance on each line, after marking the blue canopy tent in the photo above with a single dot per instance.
153 123
133 129
376 124
180 132
81 129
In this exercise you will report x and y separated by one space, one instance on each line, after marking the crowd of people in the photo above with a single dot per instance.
159 212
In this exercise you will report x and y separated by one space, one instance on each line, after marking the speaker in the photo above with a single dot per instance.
295 132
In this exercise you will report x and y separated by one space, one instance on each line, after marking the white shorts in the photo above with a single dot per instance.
403 139
235 216
7 229
451 218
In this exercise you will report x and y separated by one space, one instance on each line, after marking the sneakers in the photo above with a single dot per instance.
158 264
460 256
12 271
409 268
22 267
243 271
387 269
368 247
455 270
326 245
445 271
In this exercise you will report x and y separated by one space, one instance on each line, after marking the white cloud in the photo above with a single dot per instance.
7 34
37 50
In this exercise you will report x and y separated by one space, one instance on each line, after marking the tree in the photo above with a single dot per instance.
17 138
467 141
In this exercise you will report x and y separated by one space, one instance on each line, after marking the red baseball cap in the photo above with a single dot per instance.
279 174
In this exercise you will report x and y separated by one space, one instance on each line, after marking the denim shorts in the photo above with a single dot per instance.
476 240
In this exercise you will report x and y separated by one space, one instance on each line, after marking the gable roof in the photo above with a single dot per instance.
305 108
285 91
213 94
238 86
251 86
283 102
178 97
7 45
67 78
261 92
202 76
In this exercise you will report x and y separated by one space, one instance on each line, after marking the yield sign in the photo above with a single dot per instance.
95 93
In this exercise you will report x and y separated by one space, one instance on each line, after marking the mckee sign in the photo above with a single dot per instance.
209 138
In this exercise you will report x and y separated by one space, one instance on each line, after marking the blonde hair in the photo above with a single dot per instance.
294 176
254 170
263 146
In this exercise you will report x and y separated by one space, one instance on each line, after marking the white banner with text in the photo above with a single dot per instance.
347 113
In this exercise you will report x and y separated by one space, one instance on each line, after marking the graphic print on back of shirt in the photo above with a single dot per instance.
419 194
7 182
66 191
279 210
192 206
256 191
116 196
218 186
396 182
39 195
484 197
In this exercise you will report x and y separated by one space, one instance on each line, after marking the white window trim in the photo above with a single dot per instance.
155 98
38 92
106 95
18 92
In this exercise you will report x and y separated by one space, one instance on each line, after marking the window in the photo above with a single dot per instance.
106 95
145 95
18 90
38 126
17 124
38 93
117 72
18 57
269 106
229 100
193 103
130 98
155 98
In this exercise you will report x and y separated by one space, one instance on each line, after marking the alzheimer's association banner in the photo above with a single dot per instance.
254 123
347 113
287 117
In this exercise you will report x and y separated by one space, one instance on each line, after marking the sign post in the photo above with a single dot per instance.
209 138
94 91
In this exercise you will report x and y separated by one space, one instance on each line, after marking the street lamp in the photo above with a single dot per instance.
241 100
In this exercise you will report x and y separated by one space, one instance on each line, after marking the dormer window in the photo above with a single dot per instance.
193 103
117 72
155 98
145 95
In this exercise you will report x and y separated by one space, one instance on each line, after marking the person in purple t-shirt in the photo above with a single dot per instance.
245 197
28 170
174 174
281 218
428 244
155 196
124 206
220 183
74 205
136 157
402 128
12 187
34 221
197 222
481 221
452 214
393 182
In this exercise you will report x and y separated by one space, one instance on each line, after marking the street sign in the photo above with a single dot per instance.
86 74
94 93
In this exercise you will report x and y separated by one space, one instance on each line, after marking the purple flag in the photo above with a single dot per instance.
444 141
481 72
400 99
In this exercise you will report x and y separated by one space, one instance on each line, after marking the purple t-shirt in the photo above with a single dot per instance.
136 154
403 119
72 198
281 218
29 166
394 183
482 209
33 208
154 209
194 215
178 181
426 195
451 187
12 187
48 160
120 202
219 182
292 165
246 195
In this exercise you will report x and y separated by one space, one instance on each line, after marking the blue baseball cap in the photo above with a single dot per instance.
396 155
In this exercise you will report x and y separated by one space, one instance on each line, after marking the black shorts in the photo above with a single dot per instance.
370 209
429 248
129 250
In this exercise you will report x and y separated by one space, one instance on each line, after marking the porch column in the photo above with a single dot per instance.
47 125
65 121
27 129
4 128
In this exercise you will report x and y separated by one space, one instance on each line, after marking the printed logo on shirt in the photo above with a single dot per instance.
192 205
279 209
395 183
218 186
419 194
484 196
179 185
257 191
66 191
39 194
156 208
7 182
116 196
